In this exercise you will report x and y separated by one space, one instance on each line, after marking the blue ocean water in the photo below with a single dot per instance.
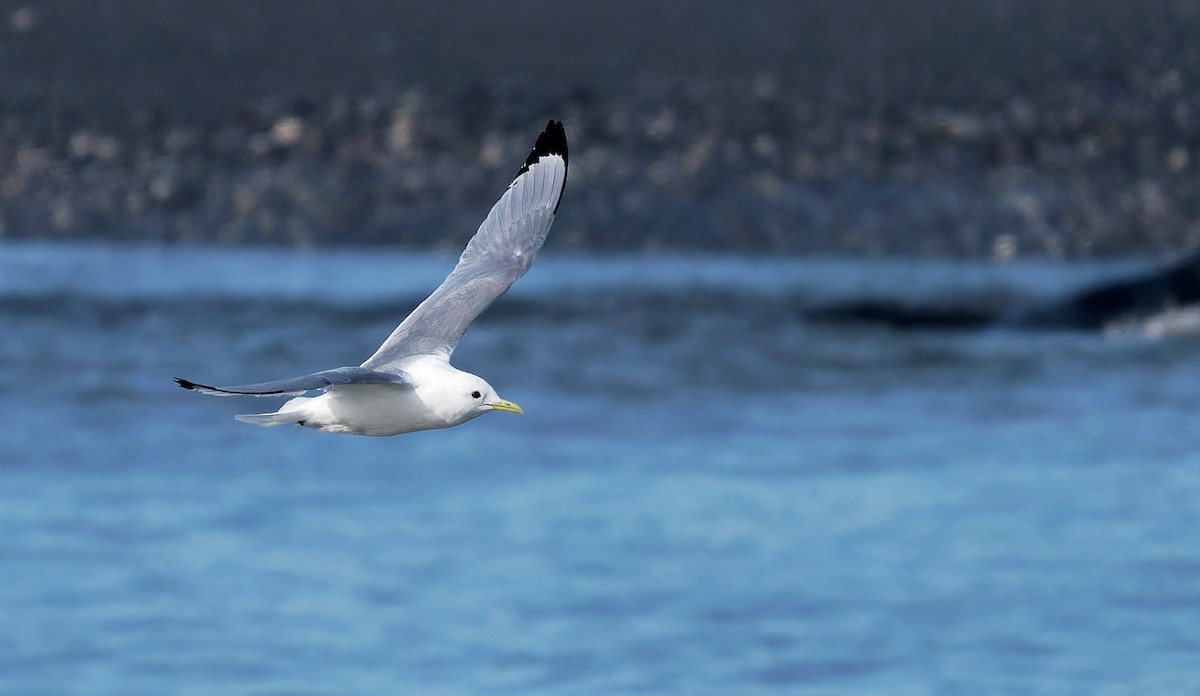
708 494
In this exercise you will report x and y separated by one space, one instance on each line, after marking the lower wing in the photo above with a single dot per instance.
299 385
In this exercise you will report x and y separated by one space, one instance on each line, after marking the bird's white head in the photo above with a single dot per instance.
459 396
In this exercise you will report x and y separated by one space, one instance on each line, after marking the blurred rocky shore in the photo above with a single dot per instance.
1091 149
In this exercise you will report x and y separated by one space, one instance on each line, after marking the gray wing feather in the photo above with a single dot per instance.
299 385
500 252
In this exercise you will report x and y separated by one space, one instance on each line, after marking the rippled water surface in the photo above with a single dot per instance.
709 493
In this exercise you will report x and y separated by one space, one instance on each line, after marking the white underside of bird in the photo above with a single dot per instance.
427 401
409 383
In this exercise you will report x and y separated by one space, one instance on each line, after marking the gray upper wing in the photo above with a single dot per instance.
299 385
499 253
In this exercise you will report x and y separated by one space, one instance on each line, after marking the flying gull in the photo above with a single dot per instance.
409 383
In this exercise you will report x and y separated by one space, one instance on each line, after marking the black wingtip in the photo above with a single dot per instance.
185 383
551 141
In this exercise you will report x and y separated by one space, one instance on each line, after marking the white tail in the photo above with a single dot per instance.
269 419
294 411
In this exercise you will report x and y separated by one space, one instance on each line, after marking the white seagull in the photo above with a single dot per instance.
409 383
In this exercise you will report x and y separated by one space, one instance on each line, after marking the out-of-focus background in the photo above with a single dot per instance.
1061 128
862 357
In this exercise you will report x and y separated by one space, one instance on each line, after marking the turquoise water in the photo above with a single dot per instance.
708 494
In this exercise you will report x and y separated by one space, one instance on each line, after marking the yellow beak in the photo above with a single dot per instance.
503 405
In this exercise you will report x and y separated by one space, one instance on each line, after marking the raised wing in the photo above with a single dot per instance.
299 385
499 253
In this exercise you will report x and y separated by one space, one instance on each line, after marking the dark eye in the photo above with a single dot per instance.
475 395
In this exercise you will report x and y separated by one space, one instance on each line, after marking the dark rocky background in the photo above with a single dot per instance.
997 128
